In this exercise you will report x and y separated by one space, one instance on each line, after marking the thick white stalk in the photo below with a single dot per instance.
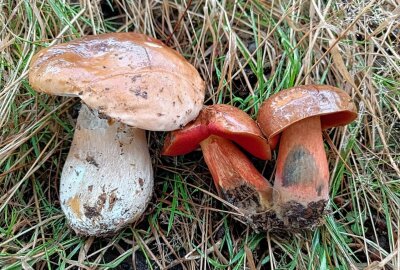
107 179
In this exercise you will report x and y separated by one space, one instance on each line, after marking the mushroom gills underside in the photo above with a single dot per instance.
107 179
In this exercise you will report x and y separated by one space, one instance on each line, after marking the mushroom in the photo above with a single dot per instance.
235 177
300 113
128 83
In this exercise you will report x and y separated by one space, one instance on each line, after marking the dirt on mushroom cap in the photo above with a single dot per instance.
127 76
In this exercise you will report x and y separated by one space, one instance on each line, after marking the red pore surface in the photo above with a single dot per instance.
221 120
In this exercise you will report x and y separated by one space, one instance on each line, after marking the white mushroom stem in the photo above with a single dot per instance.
107 179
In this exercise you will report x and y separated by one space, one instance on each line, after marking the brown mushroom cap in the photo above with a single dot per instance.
127 76
334 106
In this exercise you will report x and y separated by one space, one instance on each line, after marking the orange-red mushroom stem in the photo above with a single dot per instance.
302 174
235 176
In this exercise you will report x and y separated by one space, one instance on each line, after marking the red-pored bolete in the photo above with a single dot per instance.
216 130
299 115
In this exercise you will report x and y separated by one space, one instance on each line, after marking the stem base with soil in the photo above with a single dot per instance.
238 181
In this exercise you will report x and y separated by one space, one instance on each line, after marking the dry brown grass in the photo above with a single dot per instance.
245 51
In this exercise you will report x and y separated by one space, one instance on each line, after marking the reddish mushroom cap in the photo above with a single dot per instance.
221 120
334 106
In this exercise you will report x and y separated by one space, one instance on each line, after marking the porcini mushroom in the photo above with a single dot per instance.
128 83
236 178
300 113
